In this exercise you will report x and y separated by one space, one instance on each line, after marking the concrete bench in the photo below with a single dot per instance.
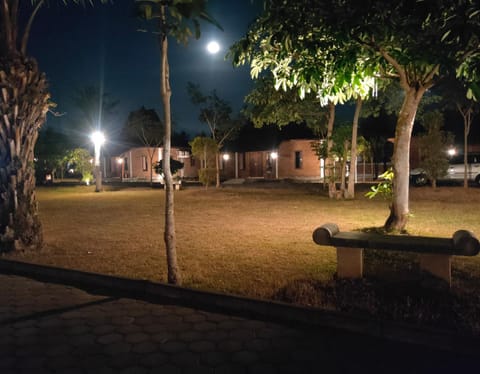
435 253
177 185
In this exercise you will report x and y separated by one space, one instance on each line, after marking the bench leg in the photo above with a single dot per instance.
438 265
349 262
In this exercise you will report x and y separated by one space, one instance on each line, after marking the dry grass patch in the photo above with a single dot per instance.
249 241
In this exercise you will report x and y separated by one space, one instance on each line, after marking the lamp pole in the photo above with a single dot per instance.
98 139
274 156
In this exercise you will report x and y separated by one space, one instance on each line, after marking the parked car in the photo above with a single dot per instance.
455 172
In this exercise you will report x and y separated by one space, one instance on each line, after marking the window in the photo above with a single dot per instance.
192 161
298 159
125 163
144 163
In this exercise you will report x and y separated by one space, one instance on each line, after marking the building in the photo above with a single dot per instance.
137 164
293 159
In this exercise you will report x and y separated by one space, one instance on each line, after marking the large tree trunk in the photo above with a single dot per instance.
329 164
174 276
353 152
399 209
23 107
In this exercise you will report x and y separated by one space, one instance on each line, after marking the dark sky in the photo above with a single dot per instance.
100 46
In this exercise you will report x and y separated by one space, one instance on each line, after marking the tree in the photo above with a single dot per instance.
266 105
216 114
80 160
205 149
144 127
24 103
50 151
96 110
433 146
326 45
341 148
171 18
302 54
467 108
180 139
457 95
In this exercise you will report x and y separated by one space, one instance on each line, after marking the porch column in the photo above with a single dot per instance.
236 165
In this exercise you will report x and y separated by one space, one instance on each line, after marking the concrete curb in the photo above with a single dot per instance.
244 307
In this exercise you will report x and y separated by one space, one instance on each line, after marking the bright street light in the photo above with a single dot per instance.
452 152
274 157
98 139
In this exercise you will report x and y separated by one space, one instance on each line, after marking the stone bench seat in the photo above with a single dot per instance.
435 253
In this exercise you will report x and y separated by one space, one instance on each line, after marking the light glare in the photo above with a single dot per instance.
98 138
213 47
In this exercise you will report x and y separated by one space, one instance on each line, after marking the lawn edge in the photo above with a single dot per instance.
265 310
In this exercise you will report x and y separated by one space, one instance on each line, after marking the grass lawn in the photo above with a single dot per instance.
253 241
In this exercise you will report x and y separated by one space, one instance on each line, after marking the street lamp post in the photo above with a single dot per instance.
120 162
98 139
274 156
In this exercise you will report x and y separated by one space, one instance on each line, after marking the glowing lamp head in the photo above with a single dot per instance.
274 155
98 138
226 156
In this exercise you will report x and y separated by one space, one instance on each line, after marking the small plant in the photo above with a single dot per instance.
384 188
87 177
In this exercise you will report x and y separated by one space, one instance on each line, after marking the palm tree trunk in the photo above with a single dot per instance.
399 209
23 105
174 276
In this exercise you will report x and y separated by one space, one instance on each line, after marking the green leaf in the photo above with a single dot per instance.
445 35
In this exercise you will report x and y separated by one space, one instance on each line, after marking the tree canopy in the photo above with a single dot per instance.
266 105
143 127
330 47
95 110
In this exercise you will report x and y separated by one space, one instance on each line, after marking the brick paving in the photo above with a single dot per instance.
51 328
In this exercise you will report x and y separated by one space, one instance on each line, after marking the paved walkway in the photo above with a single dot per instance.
49 328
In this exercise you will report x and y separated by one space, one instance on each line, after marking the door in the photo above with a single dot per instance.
255 165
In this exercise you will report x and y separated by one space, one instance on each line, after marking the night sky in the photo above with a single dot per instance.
100 46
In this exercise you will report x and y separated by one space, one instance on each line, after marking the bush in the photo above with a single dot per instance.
207 176
87 177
